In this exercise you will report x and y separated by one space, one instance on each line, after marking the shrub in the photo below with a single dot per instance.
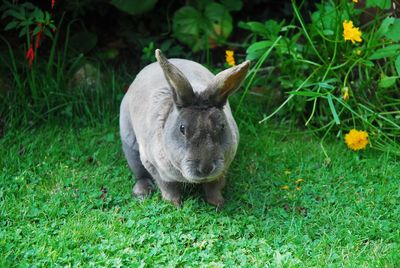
339 71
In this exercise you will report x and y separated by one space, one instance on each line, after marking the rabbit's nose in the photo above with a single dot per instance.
205 168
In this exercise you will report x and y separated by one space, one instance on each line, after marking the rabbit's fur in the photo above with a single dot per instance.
177 127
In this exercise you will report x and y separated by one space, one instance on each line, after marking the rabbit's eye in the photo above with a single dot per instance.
182 129
222 126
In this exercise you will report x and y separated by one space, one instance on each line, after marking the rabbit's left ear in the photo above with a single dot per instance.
226 83
183 94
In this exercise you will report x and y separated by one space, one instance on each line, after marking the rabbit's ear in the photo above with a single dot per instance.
226 82
182 90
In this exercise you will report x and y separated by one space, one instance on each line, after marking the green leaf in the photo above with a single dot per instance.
22 12
333 110
47 16
397 64
383 29
385 52
306 93
134 7
48 33
261 45
186 25
13 24
14 14
387 81
367 63
232 5
382 4
328 32
220 19
38 14
186 21
327 17
256 50
23 31
393 32
27 22
325 85
273 27
37 29
256 27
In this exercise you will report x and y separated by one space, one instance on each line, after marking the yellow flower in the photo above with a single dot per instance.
299 180
355 1
350 32
356 140
345 92
230 59
285 187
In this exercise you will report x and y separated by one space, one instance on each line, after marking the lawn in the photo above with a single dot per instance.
65 200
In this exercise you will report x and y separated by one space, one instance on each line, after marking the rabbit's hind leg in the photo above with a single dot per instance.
144 185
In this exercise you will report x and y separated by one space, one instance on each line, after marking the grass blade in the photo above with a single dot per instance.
333 109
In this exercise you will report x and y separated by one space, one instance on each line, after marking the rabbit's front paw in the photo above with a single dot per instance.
143 188
215 198
213 193
177 202
170 192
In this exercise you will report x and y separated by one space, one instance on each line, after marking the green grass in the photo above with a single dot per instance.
65 199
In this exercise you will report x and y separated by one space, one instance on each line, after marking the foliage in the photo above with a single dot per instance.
334 85
32 24
205 23
28 19
65 83
304 70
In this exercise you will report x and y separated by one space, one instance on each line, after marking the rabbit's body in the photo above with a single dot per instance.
171 139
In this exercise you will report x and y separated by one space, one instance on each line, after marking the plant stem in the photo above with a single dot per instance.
289 98
298 16
255 71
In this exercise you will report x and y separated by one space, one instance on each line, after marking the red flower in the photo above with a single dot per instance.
38 37
52 3
30 55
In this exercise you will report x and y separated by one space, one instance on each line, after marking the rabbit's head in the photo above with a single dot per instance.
198 137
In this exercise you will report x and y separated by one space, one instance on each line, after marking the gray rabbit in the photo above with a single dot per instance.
177 127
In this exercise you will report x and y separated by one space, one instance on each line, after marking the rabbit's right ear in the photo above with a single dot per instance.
226 83
182 90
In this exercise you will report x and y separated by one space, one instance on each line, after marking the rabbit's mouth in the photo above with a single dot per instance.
200 173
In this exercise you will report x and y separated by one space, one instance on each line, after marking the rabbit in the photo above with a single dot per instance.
176 127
